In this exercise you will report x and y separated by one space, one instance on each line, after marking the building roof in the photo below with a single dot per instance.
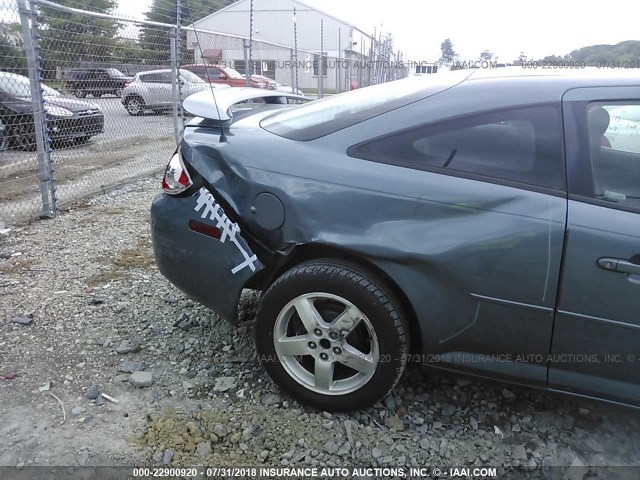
302 4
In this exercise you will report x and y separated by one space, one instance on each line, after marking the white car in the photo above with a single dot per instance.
623 132
152 90
280 87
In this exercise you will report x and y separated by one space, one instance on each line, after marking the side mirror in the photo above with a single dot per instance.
181 82
222 75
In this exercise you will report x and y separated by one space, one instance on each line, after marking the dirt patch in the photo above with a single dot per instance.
140 256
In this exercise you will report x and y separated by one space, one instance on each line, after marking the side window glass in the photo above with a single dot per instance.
522 145
614 142
165 77
152 78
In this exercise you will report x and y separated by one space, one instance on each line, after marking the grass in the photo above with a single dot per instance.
112 210
140 256
56 85
16 265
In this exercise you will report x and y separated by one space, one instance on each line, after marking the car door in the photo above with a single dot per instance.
153 88
102 82
165 89
596 339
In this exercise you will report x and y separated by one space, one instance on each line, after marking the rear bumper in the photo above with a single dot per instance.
209 270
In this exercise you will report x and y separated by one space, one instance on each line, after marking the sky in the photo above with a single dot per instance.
506 28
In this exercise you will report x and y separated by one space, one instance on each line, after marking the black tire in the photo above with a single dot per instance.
380 312
21 134
78 92
135 106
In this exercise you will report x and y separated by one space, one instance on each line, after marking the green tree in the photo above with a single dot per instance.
486 55
156 40
594 55
521 59
628 50
70 39
11 57
448 53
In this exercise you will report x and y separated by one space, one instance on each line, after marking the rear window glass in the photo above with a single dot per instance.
322 117
190 77
114 72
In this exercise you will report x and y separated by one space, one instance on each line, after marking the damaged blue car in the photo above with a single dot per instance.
483 222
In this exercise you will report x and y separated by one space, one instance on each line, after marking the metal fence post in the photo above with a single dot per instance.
295 48
178 62
293 72
247 71
45 165
320 62
175 95
338 64
250 54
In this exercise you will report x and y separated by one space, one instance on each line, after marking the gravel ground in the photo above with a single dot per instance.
84 312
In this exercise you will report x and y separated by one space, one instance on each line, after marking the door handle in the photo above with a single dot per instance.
619 265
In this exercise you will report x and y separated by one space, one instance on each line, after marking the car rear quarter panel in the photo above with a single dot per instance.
453 245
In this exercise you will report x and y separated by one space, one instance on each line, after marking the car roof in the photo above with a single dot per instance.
162 70
553 81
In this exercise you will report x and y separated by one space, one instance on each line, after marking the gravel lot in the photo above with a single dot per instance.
82 305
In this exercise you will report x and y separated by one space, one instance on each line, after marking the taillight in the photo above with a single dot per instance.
176 177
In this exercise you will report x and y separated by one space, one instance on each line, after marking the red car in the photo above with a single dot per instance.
229 76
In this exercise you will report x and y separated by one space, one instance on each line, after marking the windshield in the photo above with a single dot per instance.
232 73
19 86
114 72
322 117
190 77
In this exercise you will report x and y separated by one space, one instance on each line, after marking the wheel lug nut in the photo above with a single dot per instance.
324 356
337 350
312 345
333 335
318 332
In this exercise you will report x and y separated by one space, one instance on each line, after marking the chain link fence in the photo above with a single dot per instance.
90 100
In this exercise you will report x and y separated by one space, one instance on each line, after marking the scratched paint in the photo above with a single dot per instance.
208 208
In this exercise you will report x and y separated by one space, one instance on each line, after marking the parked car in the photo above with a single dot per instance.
470 220
281 87
153 90
68 118
4 139
229 76
95 81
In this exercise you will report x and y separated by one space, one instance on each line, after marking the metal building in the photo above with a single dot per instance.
346 48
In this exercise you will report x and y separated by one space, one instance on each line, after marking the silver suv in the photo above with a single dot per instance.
152 90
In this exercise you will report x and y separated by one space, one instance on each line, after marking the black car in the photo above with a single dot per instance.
68 118
4 142
95 81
